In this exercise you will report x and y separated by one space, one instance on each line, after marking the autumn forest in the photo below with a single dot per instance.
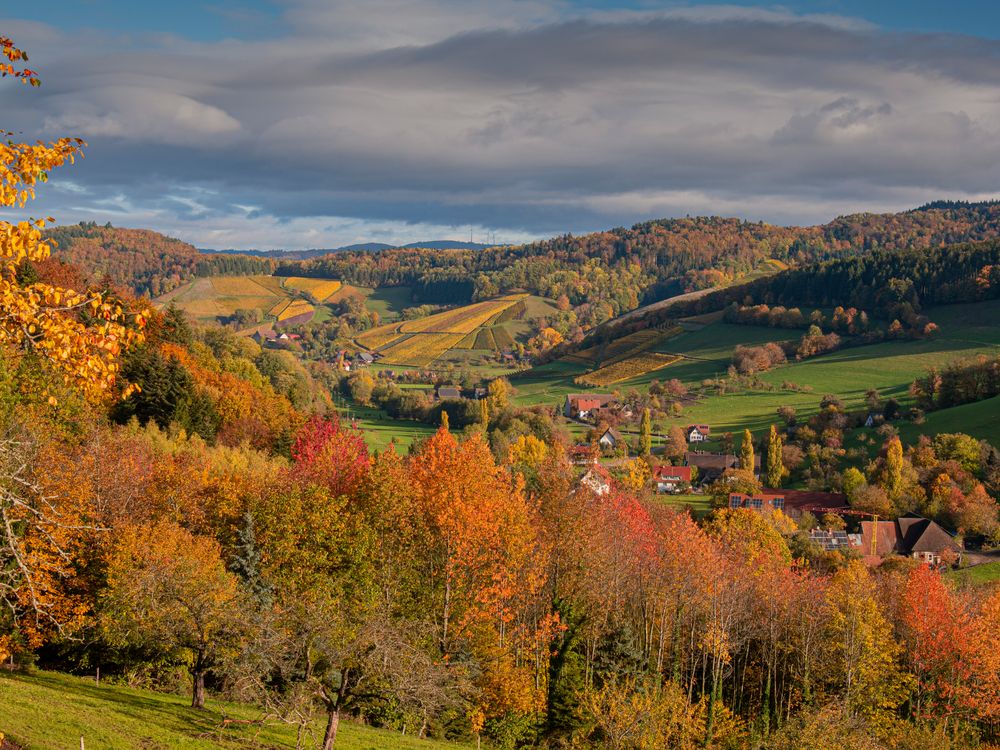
621 490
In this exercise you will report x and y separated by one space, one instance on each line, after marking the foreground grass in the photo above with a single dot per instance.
52 711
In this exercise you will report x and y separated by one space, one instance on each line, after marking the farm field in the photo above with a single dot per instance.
889 367
965 331
214 298
626 369
634 343
53 711
320 289
420 342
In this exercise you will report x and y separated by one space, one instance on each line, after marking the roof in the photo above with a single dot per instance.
600 398
447 391
812 502
704 429
366 357
718 461
886 538
924 535
596 479
672 473
615 435
831 540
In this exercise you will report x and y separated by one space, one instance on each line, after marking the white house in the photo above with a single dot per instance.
697 433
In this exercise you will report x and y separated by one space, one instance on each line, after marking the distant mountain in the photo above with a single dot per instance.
360 247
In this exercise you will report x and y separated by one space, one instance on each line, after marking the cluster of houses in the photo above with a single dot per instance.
270 338
908 536
594 407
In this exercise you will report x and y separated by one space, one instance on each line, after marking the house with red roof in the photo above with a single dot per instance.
671 479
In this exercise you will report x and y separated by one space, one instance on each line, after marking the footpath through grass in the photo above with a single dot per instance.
52 711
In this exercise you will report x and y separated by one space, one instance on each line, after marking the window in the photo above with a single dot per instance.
735 501
756 503
778 503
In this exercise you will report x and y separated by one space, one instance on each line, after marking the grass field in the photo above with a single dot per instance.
699 505
380 430
964 332
981 420
977 575
52 711
388 302
548 383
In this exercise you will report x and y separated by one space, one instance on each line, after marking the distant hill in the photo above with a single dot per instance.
144 261
602 274
362 247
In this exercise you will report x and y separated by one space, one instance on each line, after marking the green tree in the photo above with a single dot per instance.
645 433
746 452
775 469
892 474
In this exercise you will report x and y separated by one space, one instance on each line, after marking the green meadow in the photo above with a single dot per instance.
54 711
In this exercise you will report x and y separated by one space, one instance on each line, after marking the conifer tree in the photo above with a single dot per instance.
746 452
775 470
645 434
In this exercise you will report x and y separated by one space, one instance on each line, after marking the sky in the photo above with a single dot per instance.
319 123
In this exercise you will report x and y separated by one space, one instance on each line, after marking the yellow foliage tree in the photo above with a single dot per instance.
77 335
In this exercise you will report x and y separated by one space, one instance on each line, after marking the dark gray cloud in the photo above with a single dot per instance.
375 117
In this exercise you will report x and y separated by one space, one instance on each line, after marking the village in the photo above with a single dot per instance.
826 515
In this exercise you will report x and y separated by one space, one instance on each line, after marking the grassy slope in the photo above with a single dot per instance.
51 711
977 575
965 331
379 430
981 420
388 302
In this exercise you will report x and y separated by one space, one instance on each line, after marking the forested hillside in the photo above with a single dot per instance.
144 261
601 275
885 284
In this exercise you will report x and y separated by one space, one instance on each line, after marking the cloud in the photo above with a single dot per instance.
527 117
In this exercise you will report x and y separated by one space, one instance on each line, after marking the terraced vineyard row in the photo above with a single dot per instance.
463 319
420 342
610 352
294 309
320 289
420 350
629 368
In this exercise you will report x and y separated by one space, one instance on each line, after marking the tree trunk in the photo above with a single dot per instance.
333 701
198 687
332 724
